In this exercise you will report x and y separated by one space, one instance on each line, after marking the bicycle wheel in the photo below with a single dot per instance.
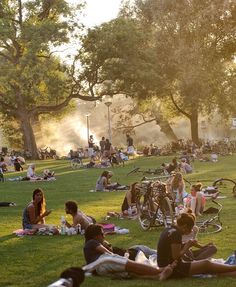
145 213
225 184
208 228
166 214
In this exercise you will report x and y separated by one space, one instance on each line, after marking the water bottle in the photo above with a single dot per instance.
63 225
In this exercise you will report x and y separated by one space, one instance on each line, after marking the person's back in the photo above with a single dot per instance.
100 184
82 219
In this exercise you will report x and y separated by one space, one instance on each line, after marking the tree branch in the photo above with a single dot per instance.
135 126
48 109
178 108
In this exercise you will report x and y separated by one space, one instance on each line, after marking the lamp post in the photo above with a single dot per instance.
87 121
108 103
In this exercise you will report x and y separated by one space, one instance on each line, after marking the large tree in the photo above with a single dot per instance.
116 58
33 81
177 52
194 43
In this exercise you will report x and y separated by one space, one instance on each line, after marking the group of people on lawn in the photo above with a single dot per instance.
175 256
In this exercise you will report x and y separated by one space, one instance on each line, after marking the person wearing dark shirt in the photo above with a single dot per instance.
130 141
170 248
97 249
102 144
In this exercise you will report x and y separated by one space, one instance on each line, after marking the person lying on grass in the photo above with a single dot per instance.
35 212
170 249
79 218
97 250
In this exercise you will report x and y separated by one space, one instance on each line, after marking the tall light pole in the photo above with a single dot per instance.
87 121
108 103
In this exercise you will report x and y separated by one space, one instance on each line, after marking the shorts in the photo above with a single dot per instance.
114 266
181 270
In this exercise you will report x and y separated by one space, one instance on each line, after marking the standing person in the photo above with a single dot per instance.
130 144
102 144
35 212
110 264
79 218
170 249
90 145
107 148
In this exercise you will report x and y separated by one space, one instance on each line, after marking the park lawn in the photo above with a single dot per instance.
38 260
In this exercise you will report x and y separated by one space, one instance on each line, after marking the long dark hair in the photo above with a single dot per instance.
42 204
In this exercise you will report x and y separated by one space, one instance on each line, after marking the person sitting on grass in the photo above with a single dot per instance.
200 251
170 249
79 218
110 264
196 201
35 212
129 204
103 183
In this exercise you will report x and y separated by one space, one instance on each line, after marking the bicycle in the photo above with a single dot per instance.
157 171
213 224
76 163
154 205
223 183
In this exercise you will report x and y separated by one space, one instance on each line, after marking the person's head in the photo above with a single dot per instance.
174 160
103 138
128 136
107 140
32 165
71 207
177 179
74 273
185 222
39 199
91 136
106 174
134 188
196 188
94 231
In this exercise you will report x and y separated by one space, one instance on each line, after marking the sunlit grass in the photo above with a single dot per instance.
38 260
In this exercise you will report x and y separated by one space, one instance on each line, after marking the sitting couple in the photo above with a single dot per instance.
35 213
102 260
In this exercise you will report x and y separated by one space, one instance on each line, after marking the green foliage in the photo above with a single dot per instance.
36 261
31 76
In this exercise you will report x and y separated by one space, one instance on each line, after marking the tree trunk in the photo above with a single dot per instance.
166 127
28 136
194 126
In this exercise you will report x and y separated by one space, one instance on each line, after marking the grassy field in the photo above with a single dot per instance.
38 260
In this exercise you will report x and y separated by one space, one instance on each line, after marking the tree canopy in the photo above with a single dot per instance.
33 80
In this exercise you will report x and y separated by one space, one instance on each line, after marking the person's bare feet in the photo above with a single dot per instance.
167 271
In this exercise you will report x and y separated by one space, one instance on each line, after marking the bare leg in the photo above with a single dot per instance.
204 252
193 204
147 271
206 266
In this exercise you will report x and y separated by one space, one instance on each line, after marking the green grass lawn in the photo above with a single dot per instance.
38 260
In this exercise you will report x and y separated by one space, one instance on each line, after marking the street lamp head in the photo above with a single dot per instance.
108 100
108 104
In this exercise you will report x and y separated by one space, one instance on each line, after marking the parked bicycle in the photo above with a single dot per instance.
155 207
